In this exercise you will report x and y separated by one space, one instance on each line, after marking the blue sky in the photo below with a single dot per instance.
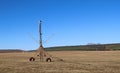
64 22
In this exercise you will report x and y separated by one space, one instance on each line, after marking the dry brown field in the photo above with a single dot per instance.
74 62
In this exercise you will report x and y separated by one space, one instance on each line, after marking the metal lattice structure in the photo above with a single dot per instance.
42 54
41 50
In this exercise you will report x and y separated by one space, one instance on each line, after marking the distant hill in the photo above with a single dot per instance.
95 47
10 50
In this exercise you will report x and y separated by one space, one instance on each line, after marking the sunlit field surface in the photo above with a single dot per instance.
74 62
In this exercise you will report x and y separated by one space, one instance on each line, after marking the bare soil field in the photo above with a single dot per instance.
74 62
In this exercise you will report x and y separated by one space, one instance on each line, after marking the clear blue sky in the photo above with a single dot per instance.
69 22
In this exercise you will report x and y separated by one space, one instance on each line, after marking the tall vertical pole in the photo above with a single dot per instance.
40 32
41 52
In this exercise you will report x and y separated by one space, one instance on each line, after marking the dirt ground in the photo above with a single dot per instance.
74 62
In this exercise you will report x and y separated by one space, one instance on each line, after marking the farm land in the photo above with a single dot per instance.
73 62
